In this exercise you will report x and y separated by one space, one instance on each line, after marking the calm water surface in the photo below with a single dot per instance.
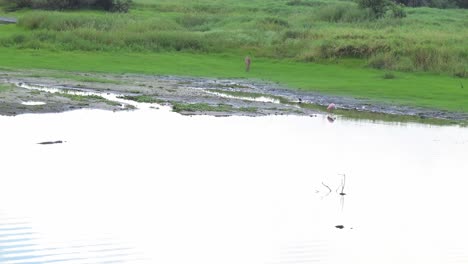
151 186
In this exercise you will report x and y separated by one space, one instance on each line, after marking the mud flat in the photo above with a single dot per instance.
50 91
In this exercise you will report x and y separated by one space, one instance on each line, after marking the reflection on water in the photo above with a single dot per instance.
32 103
265 99
20 244
152 186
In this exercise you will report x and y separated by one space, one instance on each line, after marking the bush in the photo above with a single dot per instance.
378 7
23 3
121 6
462 3
397 11
389 76
32 22
383 61
434 3
463 73
443 4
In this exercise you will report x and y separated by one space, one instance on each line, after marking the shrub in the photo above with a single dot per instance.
121 6
461 74
462 3
397 11
378 7
383 61
442 4
434 3
23 3
389 76
32 22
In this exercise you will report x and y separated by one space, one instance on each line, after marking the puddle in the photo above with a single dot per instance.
263 99
113 97
153 186
33 103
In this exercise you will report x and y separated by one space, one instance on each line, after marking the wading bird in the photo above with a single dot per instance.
247 63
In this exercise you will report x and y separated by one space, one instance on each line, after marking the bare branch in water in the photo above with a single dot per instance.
329 189
343 183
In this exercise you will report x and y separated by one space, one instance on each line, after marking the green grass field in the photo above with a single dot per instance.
316 45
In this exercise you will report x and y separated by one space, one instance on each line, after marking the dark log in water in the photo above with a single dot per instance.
51 142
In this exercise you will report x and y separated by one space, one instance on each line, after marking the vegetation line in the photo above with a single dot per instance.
368 49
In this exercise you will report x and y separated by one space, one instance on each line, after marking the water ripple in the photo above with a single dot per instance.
19 244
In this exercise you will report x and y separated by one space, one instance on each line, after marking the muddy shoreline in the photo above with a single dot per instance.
27 92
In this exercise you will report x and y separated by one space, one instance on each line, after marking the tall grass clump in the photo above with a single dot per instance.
343 13
58 21
304 3
111 32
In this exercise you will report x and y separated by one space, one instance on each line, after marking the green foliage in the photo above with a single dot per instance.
276 21
81 98
462 3
383 61
108 5
143 99
4 87
121 6
389 75
23 3
304 3
434 3
397 10
378 7
305 30
201 107
344 13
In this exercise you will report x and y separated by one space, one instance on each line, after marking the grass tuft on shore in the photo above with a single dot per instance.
143 99
4 87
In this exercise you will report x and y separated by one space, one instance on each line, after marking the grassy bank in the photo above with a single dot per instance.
431 40
316 45
417 89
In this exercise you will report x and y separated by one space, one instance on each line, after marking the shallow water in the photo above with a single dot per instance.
265 99
152 186
32 103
